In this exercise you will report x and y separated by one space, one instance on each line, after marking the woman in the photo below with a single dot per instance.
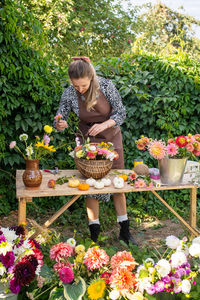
98 105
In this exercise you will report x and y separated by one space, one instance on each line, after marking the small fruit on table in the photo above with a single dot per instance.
83 186
51 183
118 182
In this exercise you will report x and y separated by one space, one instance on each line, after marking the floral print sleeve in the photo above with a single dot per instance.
114 98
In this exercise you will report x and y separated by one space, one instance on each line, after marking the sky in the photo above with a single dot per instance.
191 8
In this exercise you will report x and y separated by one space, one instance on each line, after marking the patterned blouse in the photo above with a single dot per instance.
69 101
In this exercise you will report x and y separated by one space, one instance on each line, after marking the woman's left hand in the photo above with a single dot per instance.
97 128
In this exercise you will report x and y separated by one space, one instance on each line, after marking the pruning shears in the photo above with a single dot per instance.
54 172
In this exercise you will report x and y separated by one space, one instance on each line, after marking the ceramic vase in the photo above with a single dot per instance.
32 176
6 296
172 170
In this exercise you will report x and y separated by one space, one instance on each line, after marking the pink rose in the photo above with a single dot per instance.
12 145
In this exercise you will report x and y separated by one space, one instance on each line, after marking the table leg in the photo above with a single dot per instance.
191 229
55 216
22 209
193 207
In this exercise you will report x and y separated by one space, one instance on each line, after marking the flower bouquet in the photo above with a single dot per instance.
20 259
172 156
179 147
94 159
172 275
37 149
93 273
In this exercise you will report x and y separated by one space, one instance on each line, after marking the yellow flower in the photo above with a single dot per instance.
79 258
47 147
80 153
79 249
39 144
96 289
48 129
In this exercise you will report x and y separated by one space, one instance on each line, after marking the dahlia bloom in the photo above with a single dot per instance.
189 147
95 258
106 277
172 242
66 275
90 155
122 257
121 279
61 250
181 141
133 176
172 149
157 149
140 183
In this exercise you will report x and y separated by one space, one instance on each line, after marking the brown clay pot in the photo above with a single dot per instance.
32 176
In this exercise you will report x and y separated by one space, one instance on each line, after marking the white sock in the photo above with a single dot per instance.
122 218
94 222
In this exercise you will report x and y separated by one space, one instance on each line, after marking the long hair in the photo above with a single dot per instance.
80 69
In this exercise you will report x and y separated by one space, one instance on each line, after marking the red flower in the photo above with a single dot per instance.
24 272
91 155
106 277
181 141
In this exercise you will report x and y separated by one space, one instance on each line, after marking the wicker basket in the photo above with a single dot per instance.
93 168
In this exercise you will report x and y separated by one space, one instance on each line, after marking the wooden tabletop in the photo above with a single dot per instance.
64 189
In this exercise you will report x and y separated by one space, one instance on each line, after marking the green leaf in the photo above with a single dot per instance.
76 290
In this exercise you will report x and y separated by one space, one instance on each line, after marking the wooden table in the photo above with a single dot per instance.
25 195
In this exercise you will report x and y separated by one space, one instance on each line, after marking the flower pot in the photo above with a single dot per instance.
32 176
172 170
8 296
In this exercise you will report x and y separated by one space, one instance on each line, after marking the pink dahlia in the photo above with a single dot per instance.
124 259
170 141
102 151
157 149
61 250
121 279
95 258
14 286
196 153
58 117
181 141
58 266
159 286
172 149
66 275
190 147
140 183
141 146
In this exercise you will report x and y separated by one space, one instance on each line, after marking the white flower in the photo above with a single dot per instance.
196 240
23 137
38 269
151 270
5 247
71 154
71 242
136 296
2 269
163 267
185 286
178 258
29 151
114 295
143 284
172 242
92 148
194 249
9 234
110 156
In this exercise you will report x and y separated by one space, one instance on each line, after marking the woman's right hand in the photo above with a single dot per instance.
61 125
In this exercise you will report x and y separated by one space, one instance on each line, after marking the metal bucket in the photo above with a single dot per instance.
172 170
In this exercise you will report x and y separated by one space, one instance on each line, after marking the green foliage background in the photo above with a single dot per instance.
161 94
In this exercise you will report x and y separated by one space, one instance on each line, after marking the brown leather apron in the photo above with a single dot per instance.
99 114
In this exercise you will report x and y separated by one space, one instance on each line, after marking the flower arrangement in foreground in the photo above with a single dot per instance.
179 147
37 149
96 151
92 273
20 259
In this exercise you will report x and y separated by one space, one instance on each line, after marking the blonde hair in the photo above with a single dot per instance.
80 69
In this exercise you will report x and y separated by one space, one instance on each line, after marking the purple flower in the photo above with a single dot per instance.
46 139
8 259
2 238
166 279
14 286
159 286
180 272
19 230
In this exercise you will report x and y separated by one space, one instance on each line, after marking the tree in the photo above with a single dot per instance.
163 30
72 28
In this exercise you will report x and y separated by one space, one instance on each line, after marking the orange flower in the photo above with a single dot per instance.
122 278
123 258
124 176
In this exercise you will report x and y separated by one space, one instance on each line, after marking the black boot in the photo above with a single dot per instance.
94 231
125 234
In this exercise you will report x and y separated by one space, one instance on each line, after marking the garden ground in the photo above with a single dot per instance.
150 232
